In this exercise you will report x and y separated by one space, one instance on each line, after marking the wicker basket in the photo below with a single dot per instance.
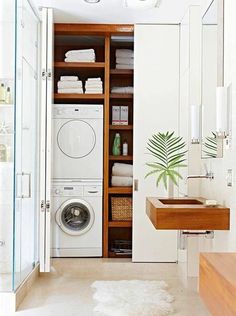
121 208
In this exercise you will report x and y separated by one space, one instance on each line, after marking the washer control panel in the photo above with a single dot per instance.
77 190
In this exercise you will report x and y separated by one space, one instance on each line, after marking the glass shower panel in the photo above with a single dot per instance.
27 145
7 74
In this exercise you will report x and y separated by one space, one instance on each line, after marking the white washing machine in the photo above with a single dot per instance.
78 141
77 219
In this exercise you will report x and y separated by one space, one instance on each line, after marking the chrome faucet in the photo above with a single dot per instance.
208 175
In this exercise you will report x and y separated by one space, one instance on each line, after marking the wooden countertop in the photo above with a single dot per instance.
188 214
217 282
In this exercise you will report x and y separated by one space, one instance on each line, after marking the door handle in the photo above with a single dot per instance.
28 195
135 184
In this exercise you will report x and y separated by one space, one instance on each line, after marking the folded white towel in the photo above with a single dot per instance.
80 52
71 90
117 181
124 52
94 91
79 60
93 84
122 169
125 61
94 79
69 78
124 66
122 90
69 84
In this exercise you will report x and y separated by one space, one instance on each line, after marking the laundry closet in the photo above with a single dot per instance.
94 193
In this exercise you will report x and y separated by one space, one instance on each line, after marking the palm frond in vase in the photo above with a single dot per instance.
169 153
210 146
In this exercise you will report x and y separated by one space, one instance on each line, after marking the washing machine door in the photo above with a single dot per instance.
76 139
75 217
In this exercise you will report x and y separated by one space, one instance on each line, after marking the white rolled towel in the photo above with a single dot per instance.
69 78
79 52
71 90
123 66
124 61
122 169
117 181
69 84
123 52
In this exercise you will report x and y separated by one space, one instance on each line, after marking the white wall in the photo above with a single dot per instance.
217 189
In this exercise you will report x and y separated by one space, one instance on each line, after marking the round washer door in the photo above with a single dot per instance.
75 217
76 139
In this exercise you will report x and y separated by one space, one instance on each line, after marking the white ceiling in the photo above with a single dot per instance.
113 11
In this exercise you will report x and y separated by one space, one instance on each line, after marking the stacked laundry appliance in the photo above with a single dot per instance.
77 180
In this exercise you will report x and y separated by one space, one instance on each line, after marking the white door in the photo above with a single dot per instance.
45 158
156 104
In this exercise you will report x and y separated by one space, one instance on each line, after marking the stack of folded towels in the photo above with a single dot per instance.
93 85
124 59
122 175
69 84
80 55
122 90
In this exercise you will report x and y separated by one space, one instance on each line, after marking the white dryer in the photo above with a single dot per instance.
77 219
78 141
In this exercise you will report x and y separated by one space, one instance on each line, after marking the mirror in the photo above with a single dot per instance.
212 76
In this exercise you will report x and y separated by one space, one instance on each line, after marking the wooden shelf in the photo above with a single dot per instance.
77 96
123 72
121 95
120 224
121 127
74 66
127 158
120 190
119 255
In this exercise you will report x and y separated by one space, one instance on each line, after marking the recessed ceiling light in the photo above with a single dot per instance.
142 4
92 1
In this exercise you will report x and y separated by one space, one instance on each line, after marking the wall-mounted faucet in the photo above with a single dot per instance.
208 175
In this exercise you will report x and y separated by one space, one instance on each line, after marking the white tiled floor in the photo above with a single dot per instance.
66 291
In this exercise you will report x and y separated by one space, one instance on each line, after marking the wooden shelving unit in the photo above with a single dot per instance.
74 36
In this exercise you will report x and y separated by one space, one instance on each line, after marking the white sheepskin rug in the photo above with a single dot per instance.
132 298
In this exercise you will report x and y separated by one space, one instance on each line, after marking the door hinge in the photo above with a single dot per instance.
46 74
48 205
42 206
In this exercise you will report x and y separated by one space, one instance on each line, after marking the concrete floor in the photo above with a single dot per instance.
66 290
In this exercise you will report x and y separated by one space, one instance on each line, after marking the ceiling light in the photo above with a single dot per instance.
92 1
142 4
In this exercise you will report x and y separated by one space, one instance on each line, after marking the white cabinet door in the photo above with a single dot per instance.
45 157
156 109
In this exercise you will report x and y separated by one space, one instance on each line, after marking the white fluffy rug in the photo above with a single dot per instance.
132 298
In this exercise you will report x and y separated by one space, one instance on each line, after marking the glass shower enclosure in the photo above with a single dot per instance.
19 142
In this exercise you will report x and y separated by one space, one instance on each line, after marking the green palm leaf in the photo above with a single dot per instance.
170 154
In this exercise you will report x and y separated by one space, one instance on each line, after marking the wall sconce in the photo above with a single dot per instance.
195 124
222 112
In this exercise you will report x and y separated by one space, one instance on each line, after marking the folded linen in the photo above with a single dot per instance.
93 85
122 169
122 90
93 91
69 84
74 52
94 79
69 78
79 59
124 61
124 66
123 52
71 90
117 181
